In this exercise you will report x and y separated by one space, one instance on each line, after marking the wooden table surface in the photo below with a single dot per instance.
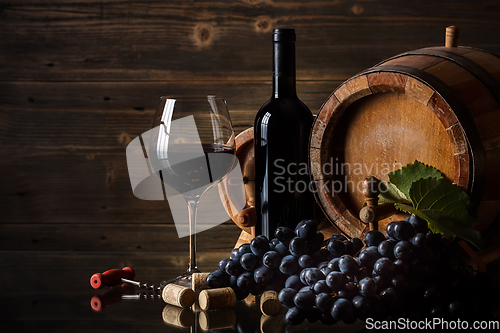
50 292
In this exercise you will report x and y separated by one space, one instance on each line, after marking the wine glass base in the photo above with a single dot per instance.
184 279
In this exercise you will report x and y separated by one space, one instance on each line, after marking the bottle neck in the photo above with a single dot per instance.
284 69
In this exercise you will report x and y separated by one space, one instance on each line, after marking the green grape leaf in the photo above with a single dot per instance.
389 193
404 178
446 207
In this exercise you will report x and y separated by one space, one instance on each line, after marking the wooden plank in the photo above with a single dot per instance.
63 145
113 40
93 118
112 237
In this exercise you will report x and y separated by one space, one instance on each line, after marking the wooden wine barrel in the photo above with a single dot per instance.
244 219
438 105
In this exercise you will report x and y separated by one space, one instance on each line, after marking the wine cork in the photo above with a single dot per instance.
274 324
178 295
199 281
196 306
216 298
250 300
269 303
452 35
217 320
177 317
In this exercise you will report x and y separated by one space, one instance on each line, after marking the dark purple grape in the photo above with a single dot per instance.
386 248
263 275
234 268
305 299
222 264
432 295
389 295
282 249
342 309
325 270
271 259
297 247
274 241
240 294
321 287
374 238
284 234
339 237
334 264
306 261
322 255
259 245
233 281
403 250
349 247
363 305
436 311
458 309
245 281
400 268
390 229
316 242
294 282
367 287
322 265
313 275
306 229
302 275
381 282
418 224
434 241
419 240
336 248
248 261
384 267
349 290
286 296
348 265
295 316
403 230
399 283
324 301
358 244
244 248
368 256
218 279
336 280
364 272
235 255
289 265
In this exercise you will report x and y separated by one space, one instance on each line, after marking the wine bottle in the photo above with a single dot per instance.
282 128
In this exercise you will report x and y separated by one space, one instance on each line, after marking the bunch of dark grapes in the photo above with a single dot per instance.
406 273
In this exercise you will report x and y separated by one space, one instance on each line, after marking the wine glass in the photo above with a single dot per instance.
191 149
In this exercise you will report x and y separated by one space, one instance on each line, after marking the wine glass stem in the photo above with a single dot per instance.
192 210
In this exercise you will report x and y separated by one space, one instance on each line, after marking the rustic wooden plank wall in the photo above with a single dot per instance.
80 79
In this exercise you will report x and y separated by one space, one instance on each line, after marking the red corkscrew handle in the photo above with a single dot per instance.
111 296
111 277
